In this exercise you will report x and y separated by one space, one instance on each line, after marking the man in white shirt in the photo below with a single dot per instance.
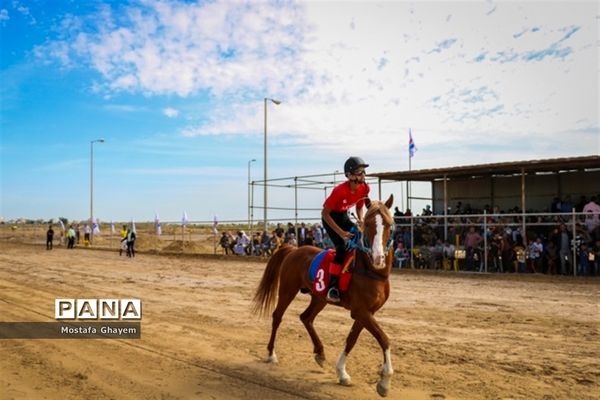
592 220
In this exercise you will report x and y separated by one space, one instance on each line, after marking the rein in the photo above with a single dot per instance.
361 242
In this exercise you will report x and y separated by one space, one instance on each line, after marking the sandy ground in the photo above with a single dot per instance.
453 336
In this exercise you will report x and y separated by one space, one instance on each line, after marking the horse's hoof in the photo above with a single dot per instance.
320 359
272 359
346 381
382 390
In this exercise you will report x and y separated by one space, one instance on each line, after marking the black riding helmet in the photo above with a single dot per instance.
354 163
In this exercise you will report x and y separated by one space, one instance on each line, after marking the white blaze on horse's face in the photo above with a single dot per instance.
378 256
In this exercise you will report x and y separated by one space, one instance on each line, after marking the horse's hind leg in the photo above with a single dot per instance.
307 317
340 365
284 300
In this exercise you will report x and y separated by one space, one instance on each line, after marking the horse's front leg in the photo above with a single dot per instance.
369 322
340 365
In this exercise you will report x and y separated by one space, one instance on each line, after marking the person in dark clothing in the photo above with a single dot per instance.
131 243
335 216
49 237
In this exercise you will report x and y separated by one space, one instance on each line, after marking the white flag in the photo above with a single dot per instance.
95 227
133 226
157 224
215 223
62 226
112 228
184 219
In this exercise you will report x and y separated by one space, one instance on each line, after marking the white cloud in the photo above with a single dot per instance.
126 108
171 112
4 15
456 72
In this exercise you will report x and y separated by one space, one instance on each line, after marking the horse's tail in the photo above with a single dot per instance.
264 298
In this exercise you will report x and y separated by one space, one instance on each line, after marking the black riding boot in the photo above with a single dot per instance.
333 294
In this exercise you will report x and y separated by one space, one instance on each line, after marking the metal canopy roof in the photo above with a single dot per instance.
552 165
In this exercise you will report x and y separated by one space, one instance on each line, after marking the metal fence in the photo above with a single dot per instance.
524 227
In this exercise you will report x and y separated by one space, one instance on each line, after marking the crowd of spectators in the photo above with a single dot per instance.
546 247
265 244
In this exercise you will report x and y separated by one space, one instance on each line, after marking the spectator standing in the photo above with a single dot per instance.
506 252
123 244
225 242
595 259
472 240
520 256
496 243
318 235
87 231
535 251
49 238
448 253
71 237
584 260
593 219
131 236
564 239
551 258
567 206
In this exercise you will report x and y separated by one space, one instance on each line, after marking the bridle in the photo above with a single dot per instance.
360 241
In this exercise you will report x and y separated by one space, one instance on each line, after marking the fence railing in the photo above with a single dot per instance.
526 225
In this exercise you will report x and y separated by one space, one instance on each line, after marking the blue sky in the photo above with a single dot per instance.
176 89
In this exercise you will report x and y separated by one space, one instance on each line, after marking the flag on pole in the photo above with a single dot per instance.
157 225
411 144
112 228
215 224
133 226
62 225
95 227
184 219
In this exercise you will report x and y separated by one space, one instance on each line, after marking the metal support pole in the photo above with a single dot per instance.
574 242
91 190
296 207
412 241
92 186
485 246
523 205
445 207
249 222
265 202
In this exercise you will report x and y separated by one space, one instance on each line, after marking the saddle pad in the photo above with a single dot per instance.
318 272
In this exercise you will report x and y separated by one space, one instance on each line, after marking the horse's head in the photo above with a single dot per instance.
378 229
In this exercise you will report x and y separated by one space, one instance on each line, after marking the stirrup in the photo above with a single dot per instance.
333 295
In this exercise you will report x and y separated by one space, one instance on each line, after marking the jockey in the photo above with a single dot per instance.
336 220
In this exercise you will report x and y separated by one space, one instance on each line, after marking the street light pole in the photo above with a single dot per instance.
276 102
249 223
92 185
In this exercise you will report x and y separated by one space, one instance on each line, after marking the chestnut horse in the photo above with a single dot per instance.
368 290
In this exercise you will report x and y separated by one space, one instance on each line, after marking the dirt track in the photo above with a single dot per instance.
453 336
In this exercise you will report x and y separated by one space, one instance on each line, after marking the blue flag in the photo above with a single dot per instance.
411 145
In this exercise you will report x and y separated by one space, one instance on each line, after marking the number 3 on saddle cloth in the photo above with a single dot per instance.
318 273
